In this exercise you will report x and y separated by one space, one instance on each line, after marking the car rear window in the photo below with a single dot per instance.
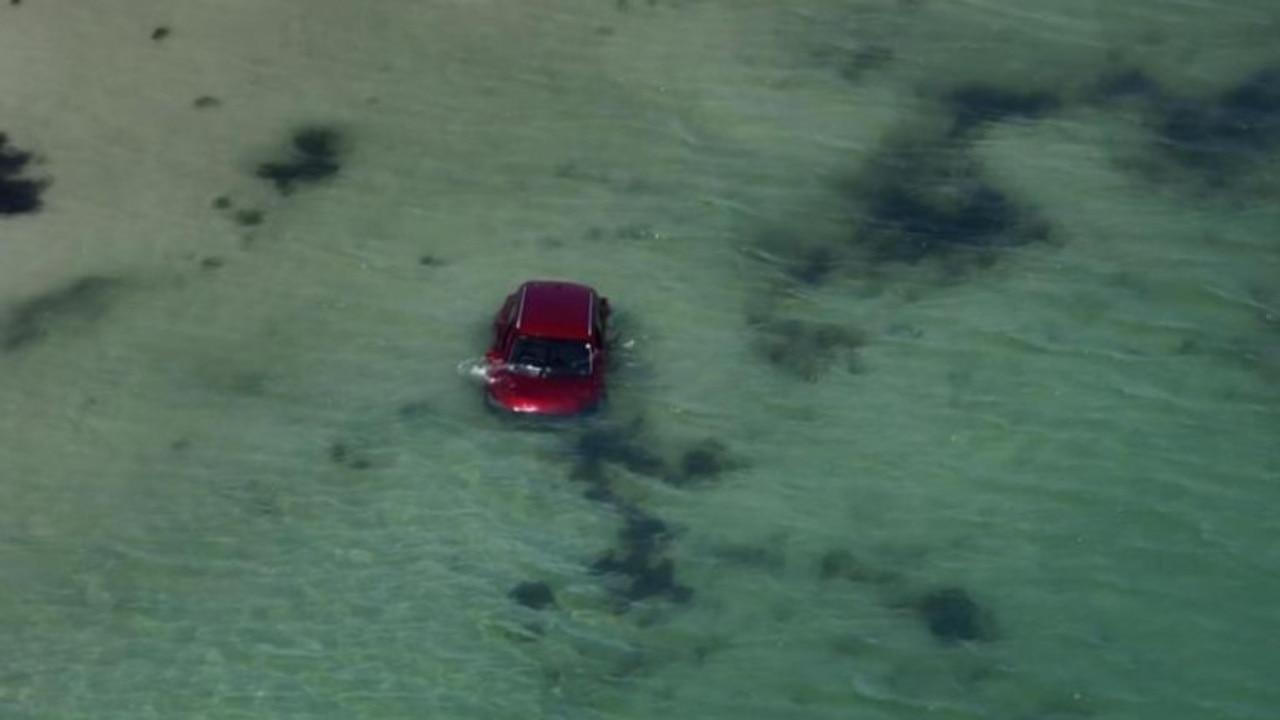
552 358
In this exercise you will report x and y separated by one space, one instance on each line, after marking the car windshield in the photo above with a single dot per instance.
551 358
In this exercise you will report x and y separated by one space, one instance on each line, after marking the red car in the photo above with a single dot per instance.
549 351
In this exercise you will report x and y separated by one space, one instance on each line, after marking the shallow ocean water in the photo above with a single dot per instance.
949 339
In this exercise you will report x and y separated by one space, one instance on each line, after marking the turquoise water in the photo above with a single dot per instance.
935 410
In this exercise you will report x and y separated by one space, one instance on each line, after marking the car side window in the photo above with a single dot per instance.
507 317
601 315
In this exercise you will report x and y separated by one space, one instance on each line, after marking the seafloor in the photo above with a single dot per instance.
947 359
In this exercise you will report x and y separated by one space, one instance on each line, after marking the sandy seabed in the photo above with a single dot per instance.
952 339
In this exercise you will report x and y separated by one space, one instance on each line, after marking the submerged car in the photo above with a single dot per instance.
549 354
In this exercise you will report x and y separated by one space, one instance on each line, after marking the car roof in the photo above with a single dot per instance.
556 309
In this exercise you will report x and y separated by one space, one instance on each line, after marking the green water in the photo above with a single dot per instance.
259 488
